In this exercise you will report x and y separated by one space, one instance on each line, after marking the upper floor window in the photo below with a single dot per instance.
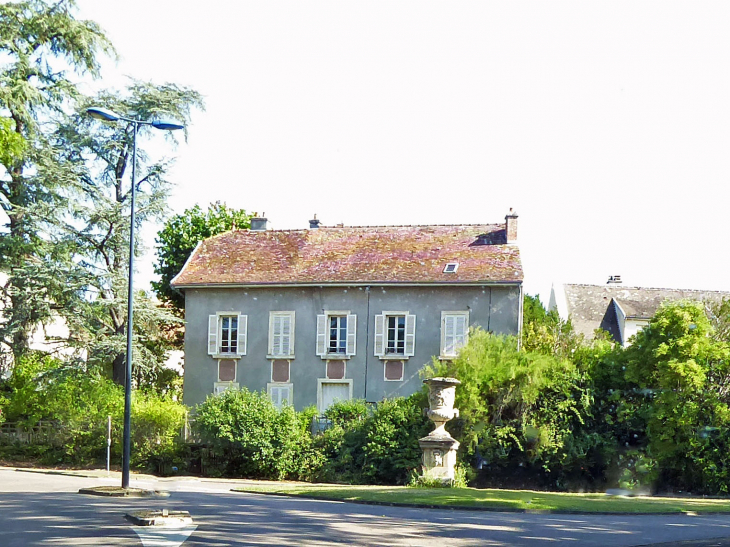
227 333
336 334
454 332
395 334
281 334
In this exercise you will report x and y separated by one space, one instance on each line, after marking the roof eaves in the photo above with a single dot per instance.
515 282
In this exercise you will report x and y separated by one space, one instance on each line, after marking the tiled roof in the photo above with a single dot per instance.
588 304
362 254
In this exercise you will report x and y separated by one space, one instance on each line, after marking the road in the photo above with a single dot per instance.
46 509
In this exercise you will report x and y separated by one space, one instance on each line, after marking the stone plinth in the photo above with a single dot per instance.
439 457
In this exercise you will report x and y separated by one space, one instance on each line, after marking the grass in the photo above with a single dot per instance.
504 500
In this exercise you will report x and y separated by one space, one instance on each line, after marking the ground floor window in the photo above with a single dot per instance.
331 391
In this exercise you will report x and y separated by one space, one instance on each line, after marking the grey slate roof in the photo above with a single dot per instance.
588 305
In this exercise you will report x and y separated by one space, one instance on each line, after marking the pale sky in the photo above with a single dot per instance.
605 125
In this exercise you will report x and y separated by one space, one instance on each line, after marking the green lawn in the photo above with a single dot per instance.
514 500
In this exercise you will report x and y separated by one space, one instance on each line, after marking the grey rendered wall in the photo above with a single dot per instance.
495 308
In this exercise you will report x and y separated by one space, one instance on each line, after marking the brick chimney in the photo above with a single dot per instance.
314 223
510 226
258 223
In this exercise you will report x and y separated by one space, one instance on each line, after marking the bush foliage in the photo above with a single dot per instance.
250 437
378 446
76 404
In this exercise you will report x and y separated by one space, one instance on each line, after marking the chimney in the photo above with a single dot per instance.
614 280
258 223
510 226
314 223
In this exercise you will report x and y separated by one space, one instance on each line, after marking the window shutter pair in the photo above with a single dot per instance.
214 329
323 334
410 335
279 395
281 334
454 330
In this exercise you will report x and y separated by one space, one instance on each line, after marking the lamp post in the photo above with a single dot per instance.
109 116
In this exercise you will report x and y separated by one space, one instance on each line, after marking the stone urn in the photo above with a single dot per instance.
439 448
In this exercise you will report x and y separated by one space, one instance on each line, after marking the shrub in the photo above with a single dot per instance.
156 424
523 415
249 437
78 402
378 447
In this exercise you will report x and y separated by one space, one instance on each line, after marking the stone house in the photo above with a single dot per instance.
619 310
330 313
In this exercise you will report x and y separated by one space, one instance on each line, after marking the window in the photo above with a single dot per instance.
451 267
336 334
395 335
227 333
280 393
454 332
221 387
281 334
331 391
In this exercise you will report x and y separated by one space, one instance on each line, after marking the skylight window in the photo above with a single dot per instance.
451 267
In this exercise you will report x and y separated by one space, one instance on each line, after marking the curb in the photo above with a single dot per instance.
487 509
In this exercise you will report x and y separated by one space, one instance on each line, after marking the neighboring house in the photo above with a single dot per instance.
51 338
621 311
331 313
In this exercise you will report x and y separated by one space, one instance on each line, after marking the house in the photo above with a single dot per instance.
619 310
331 313
51 337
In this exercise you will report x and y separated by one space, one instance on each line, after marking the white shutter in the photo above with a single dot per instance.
449 336
286 335
460 329
212 334
272 335
410 335
379 337
242 334
321 335
351 334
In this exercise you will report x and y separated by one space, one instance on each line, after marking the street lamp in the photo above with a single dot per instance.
109 116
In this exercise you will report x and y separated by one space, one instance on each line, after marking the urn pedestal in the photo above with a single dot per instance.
439 448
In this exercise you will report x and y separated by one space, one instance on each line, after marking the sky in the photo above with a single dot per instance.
605 125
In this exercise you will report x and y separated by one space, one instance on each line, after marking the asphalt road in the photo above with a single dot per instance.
45 509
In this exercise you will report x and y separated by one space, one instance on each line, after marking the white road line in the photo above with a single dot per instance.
159 536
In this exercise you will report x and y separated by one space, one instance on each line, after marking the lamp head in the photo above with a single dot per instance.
166 125
102 114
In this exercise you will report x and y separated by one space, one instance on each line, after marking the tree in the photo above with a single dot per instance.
39 43
719 315
97 227
12 145
683 372
522 412
545 332
181 234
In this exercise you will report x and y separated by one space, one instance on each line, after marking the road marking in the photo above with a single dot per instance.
159 536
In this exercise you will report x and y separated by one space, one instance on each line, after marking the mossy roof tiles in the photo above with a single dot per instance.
367 254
